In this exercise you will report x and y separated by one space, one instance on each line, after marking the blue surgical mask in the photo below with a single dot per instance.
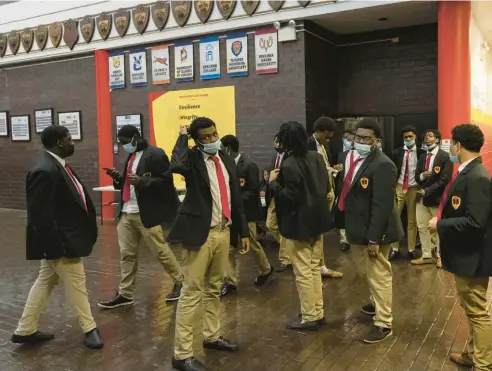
409 144
211 148
454 159
429 148
347 144
363 149
130 148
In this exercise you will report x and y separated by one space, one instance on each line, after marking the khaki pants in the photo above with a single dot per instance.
306 258
204 272
272 225
331 200
410 200
343 236
130 232
428 239
258 254
472 292
380 278
71 273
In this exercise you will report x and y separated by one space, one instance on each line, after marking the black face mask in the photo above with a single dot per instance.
68 149
279 150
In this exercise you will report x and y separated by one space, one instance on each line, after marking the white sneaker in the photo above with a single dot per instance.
324 271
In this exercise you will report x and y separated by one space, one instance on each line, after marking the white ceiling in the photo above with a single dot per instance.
404 14
482 11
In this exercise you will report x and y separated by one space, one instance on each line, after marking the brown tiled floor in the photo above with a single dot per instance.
428 319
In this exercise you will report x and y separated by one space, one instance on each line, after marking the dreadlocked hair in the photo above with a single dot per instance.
293 138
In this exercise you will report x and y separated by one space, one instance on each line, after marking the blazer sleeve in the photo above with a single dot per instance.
180 157
159 171
443 179
420 169
252 186
383 200
286 190
239 219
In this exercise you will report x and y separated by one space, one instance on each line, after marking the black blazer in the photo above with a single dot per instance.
58 224
269 192
338 181
371 212
442 172
301 197
399 154
157 198
465 225
192 224
249 180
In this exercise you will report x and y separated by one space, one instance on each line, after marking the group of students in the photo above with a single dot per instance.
306 197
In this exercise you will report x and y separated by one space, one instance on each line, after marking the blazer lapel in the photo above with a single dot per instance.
141 163
363 168
202 168
460 176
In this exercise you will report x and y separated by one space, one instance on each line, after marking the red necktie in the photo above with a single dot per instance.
407 171
224 199
126 186
77 185
277 163
445 197
428 161
347 182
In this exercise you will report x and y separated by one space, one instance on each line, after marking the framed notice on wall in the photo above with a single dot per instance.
72 121
42 119
20 128
4 124
135 120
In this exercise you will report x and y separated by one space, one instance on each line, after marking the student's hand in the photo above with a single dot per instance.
373 250
113 173
421 192
134 179
331 196
338 167
244 246
273 175
433 224
262 194
183 130
427 174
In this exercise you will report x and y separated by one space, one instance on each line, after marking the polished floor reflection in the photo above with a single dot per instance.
428 319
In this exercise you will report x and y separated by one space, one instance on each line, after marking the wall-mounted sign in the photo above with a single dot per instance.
135 120
237 55
161 73
138 68
117 70
72 121
183 62
20 128
42 119
266 51
209 58
4 124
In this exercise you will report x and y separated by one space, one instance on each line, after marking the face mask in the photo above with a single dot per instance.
454 159
363 149
210 148
68 149
409 144
279 150
347 145
129 148
429 147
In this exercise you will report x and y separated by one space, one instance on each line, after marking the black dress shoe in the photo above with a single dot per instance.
227 289
368 309
260 280
413 255
321 321
283 267
115 302
176 293
93 339
188 364
344 247
221 344
37 337
297 324
393 255
377 334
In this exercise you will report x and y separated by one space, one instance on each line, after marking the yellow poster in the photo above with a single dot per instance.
177 108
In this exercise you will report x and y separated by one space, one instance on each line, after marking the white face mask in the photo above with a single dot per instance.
210 148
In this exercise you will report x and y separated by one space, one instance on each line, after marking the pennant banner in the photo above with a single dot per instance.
160 65
117 70
209 58
138 67
237 55
266 51
183 62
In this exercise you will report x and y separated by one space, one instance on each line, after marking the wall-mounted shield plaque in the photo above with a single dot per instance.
87 27
181 11
160 14
71 32
14 42
303 3
104 23
226 7
27 39
56 32
203 9
275 4
122 21
41 36
3 45
141 18
250 6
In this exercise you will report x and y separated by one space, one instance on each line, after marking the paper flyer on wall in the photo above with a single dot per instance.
237 55
266 51
161 73
183 62
209 58
116 70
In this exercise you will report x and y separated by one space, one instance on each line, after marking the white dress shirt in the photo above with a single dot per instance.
131 207
431 163
412 162
217 213
279 158
354 153
464 164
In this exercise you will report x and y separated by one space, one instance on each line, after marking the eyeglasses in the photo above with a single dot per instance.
365 140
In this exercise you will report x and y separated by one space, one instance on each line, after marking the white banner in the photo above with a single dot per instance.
116 70
138 67
183 62
209 58
237 55
266 51
161 73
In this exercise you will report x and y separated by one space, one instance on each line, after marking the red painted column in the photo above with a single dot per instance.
104 126
453 65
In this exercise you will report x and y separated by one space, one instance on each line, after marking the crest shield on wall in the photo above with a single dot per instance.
71 32
226 7
3 45
56 32
27 39
122 21
41 36
87 26
160 14
181 11
203 9
14 42
141 18
250 6
275 4
303 3
104 23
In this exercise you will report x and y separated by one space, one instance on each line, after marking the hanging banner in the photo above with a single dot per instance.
209 58
183 62
237 55
160 65
266 51
117 70
138 68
